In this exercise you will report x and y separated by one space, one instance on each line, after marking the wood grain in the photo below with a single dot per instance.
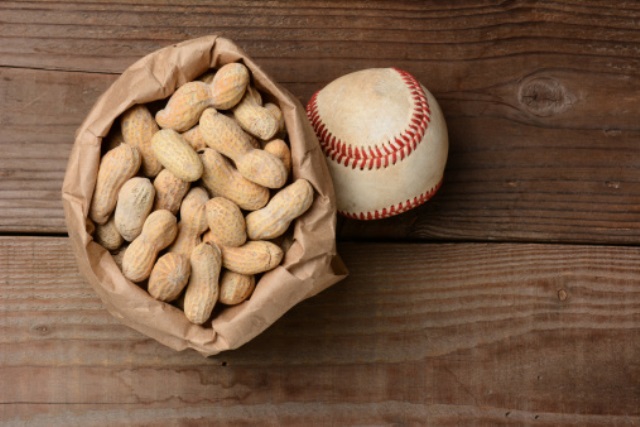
436 334
540 100
39 116
542 109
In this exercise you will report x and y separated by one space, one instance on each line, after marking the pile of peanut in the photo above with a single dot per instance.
194 198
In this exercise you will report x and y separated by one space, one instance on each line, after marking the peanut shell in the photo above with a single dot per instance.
158 232
135 201
184 107
251 258
170 190
116 167
229 85
169 276
138 127
226 223
235 287
177 155
193 222
222 179
202 291
274 219
108 236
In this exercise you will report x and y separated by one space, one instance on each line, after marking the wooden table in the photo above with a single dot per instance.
511 298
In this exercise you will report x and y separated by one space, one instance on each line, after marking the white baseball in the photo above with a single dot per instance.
385 140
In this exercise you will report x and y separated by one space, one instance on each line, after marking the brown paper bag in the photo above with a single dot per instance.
311 263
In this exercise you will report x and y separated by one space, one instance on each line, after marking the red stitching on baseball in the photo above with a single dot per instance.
394 209
390 151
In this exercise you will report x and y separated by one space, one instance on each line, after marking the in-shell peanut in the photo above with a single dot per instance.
281 150
185 106
138 127
276 112
116 167
170 190
226 222
177 155
135 201
193 222
235 287
255 119
223 134
222 179
158 232
274 219
251 258
169 276
108 236
202 291
229 85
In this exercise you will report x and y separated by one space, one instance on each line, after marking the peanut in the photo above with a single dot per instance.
276 112
280 149
177 155
194 138
274 219
263 168
255 119
138 127
235 287
223 134
229 85
170 190
158 232
202 291
108 236
169 276
135 201
226 222
251 258
116 167
193 222
185 106
221 179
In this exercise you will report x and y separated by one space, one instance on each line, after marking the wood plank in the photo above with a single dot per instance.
100 36
490 333
40 114
178 412
540 100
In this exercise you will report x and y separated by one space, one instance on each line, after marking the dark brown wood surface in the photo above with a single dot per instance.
511 298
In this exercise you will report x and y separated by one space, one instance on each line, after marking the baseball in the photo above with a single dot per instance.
385 140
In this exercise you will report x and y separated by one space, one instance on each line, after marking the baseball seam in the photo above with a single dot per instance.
380 155
394 209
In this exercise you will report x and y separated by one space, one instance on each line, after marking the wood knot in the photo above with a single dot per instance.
562 295
544 96
42 330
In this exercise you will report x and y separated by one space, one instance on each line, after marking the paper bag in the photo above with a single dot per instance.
310 264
